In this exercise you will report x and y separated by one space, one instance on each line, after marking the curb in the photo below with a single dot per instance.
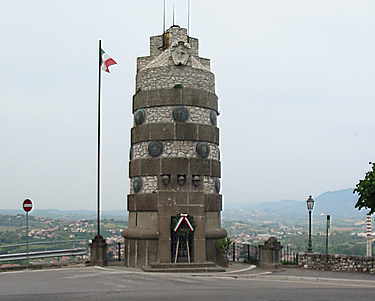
251 267
45 266
313 279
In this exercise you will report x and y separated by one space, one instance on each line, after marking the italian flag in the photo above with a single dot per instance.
106 61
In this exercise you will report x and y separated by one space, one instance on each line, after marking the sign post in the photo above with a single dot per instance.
27 206
369 232
328 225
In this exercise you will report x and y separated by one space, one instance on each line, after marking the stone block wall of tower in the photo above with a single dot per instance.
175 157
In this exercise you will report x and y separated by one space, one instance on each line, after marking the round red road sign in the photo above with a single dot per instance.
27 205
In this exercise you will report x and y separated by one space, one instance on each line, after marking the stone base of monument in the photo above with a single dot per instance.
195 267
98 249
269 255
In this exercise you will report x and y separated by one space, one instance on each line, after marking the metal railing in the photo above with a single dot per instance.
115 251
58 248
244 252
250 253
289 255
43 254
45 249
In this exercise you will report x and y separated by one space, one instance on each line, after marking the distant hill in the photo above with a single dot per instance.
339 203
336 203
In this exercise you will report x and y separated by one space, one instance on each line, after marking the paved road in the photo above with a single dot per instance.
118 283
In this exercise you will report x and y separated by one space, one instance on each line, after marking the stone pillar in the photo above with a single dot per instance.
98 249
269 254
174 157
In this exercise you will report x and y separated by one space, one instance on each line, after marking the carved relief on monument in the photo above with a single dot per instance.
180 52
180 113
166 179
181 179
137 184
203 149
155 149
196 181
217 185
213 118
139 116
143 184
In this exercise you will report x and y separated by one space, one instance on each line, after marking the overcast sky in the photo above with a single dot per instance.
295 81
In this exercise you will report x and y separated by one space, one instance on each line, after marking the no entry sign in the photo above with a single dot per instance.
27 205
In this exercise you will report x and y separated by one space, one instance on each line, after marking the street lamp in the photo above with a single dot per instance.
310 206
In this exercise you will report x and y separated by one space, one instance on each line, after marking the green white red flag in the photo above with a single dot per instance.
106 61
183 218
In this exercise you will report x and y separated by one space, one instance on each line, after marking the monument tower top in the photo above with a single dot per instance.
174 49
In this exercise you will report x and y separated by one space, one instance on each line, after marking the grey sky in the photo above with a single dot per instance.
295 81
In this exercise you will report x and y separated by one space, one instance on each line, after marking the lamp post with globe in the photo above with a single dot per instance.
310 205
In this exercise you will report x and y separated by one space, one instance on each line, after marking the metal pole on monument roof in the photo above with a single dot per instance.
164 26
164 17
173 16
188 29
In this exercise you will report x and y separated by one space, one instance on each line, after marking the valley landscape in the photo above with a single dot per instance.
251 223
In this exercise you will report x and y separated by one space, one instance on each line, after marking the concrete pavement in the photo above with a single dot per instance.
240 282
239 270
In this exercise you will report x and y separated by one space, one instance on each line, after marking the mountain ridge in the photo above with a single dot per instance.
337 203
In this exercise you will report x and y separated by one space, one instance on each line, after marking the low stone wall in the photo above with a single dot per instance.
338 263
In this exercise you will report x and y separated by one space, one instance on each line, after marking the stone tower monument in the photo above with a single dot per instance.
174 202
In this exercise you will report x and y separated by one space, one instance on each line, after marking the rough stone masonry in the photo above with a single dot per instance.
174 163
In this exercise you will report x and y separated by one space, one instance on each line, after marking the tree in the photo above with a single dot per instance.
366 191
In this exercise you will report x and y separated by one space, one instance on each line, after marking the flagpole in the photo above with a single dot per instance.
99 111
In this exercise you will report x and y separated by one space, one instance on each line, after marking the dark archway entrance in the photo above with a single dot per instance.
182 246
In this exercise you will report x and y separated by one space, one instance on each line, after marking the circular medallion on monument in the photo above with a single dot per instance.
137 184
155 148
217 185
213 117
180 113
139 116
203 149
